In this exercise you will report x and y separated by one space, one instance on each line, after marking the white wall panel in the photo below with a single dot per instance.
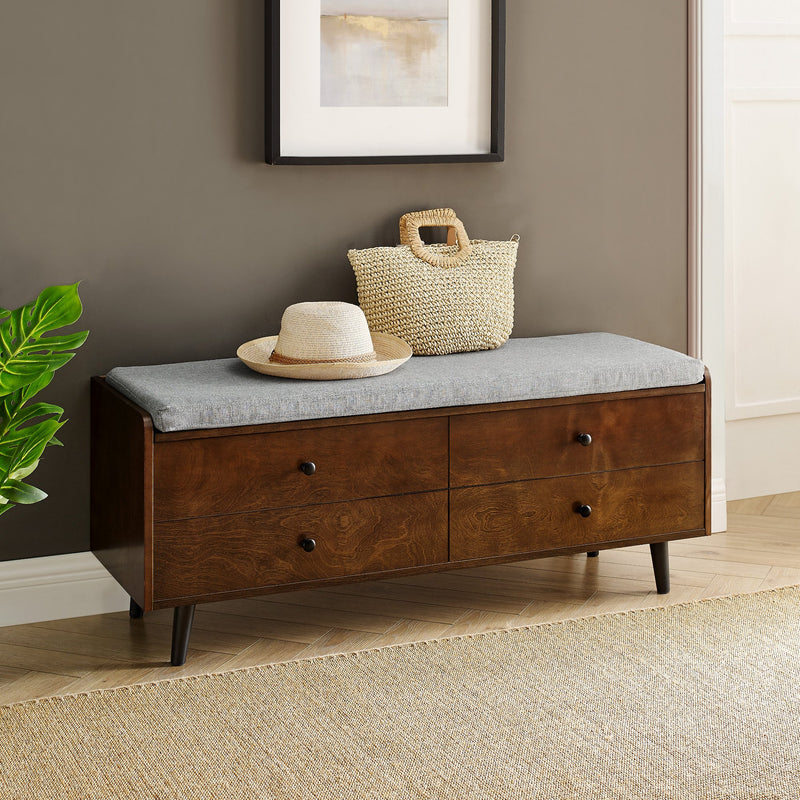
764 217
762 238
758 62
782 12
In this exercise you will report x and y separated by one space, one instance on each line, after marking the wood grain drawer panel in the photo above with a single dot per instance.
259 471
527 516
543 442
236 552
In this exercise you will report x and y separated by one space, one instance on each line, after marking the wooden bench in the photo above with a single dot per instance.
284 494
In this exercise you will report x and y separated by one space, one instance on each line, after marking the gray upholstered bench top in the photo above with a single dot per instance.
222 393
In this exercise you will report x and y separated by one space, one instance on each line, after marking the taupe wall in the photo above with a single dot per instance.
131 159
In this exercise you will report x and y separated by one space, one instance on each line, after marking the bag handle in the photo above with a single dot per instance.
435 218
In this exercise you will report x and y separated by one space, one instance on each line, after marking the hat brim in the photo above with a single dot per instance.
391 352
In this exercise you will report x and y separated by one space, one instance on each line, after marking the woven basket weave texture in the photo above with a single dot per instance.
439 310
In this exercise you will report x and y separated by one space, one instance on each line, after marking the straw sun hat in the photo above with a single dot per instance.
325 342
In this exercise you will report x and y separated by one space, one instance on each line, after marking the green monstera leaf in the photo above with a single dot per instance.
28 359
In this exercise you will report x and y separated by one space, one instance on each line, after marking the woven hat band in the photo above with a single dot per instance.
277 358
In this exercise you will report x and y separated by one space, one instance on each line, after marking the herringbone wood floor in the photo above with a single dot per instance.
761 549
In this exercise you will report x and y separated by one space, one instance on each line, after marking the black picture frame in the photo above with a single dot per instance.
273 102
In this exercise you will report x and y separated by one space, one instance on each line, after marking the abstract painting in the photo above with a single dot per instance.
383 52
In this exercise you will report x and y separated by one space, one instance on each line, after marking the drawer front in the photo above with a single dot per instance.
229 474
527 516
543 442
237 552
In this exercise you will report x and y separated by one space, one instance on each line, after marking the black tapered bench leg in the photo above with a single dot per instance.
136 611
659 552
181 630
593 553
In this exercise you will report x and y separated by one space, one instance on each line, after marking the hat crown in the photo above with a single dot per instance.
318 332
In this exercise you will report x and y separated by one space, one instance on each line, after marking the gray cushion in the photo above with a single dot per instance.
222 393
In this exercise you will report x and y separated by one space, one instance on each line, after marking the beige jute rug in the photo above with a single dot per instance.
700 700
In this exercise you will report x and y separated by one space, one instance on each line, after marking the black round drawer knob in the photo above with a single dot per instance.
585 439
584 510
308 467
308 545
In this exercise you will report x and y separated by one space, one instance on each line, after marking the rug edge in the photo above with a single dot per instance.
421 642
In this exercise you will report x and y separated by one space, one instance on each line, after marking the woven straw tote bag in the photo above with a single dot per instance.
438 298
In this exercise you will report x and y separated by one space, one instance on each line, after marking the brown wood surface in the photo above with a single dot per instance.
391 416
121 495
526 516
406 572
380 454
200 557
261 471
525 444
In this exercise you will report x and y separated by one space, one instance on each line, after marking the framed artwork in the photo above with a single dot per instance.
384 81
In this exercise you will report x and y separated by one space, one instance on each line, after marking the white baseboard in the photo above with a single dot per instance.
719 506
57 587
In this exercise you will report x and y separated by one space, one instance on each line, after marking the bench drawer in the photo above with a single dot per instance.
515 445
240 552
527 516
228 474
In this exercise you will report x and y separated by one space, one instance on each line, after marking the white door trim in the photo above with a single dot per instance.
694 179
705 224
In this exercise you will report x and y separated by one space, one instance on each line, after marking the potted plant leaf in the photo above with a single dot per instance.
28 360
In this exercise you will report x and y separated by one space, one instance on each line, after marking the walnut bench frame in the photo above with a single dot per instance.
194 516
